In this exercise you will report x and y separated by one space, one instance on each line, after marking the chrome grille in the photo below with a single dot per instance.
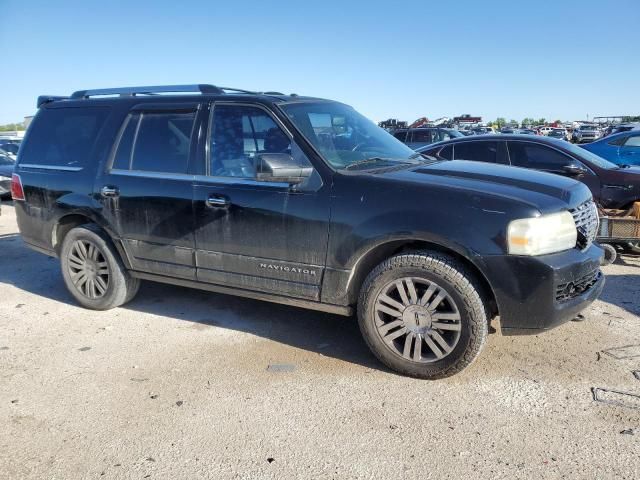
586 217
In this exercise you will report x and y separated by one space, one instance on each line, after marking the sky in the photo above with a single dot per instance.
514 59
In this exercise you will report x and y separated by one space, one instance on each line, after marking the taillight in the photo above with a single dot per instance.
17 192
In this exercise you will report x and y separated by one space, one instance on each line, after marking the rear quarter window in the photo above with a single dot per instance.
63 137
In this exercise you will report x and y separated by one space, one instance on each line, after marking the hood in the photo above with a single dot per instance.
544 191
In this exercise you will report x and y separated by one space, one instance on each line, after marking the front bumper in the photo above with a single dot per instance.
539 293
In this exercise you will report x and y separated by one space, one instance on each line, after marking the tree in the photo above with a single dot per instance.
542 121
500 122
528 121
10 127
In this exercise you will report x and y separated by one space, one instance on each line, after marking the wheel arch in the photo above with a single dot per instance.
70 220
382 251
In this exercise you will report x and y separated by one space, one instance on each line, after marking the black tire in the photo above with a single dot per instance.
462 288
119 286
610 254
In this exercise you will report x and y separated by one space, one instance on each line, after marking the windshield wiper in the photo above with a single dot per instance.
369 160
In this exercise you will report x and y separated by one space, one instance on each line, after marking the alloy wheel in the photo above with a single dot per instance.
88 268
417 319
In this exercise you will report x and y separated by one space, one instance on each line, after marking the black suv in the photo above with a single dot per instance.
302 201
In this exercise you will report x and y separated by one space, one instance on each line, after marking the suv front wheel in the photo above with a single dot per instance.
422 314
92 270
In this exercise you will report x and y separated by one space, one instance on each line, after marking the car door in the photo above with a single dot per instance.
543 157
629 152
147 188
268 236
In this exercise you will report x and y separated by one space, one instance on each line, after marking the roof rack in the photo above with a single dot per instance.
152 90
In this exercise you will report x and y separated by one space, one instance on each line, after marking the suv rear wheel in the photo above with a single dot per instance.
422 315
92 270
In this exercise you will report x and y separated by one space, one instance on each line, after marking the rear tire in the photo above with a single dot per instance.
422 315
92 270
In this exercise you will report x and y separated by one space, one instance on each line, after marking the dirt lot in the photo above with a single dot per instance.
189 384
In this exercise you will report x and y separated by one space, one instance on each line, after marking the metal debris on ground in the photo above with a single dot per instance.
636 373
621 353
614 397
281 367
628 431
84 349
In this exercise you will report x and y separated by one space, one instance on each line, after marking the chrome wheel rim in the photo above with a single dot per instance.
88 269
417 319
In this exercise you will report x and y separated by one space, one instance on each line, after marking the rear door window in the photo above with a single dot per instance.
402 136
633 141
423 136
162 142
63 137
155 142
478 151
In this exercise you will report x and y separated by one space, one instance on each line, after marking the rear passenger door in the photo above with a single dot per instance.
147 188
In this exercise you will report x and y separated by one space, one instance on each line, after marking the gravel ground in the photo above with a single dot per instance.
189 384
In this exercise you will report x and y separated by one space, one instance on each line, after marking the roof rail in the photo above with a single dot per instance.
42 99
132 91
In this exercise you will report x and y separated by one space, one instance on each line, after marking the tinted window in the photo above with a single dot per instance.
478 151
400 135
423 136
618 141
633 141
63 136
531 155
162 142
122 157
239 133
446 153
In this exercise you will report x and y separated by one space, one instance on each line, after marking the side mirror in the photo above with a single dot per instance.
574 170
280 167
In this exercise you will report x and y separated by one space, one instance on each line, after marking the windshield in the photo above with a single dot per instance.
589 156
587 127
345 138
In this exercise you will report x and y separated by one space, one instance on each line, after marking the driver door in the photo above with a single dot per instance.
251 234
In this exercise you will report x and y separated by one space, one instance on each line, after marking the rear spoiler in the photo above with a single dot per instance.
43 99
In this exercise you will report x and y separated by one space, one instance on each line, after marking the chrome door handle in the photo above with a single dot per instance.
109 191
217 201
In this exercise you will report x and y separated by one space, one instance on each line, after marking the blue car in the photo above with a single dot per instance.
620 148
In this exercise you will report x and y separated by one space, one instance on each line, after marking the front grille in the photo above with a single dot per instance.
569 290
586 217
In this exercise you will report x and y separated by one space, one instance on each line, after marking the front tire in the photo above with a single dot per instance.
92 270
422 315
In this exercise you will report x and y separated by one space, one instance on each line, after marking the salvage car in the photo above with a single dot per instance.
422 136
302 201
613 186
619 148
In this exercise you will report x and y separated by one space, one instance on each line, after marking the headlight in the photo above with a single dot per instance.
540 235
